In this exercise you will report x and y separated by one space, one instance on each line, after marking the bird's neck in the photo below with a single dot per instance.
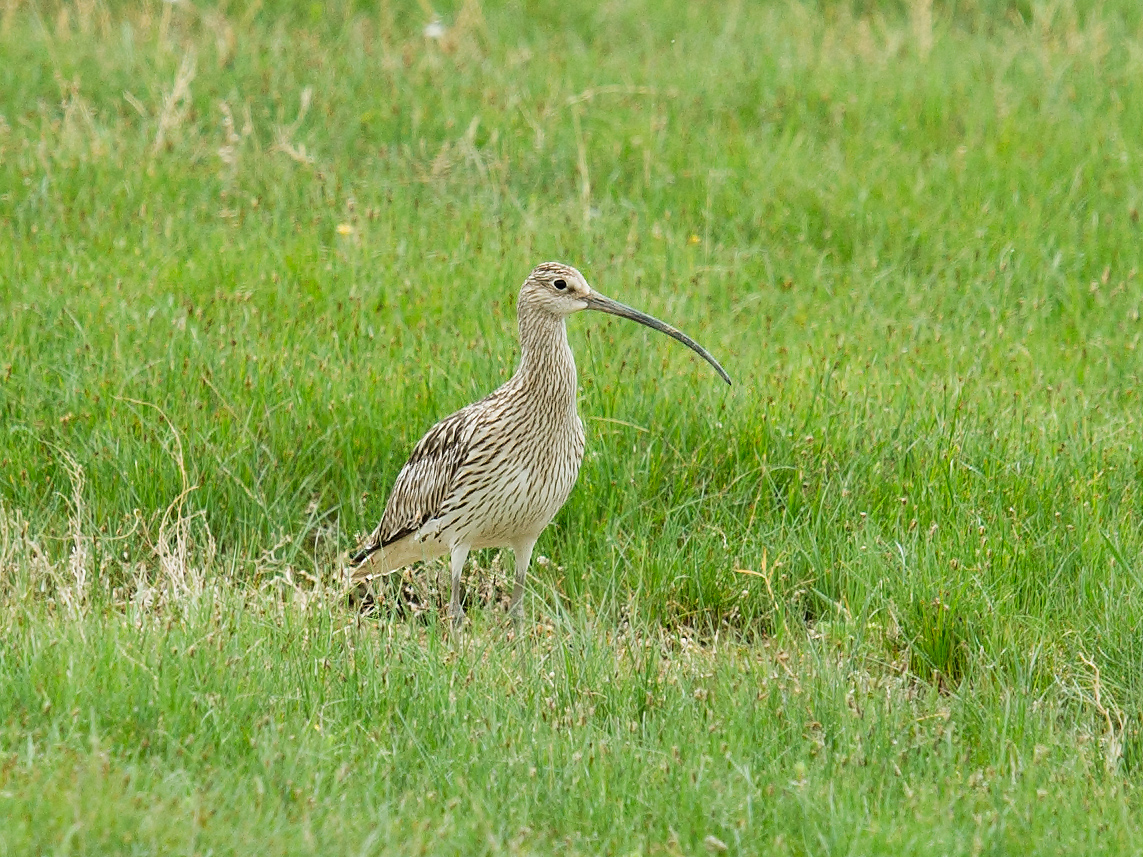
546 361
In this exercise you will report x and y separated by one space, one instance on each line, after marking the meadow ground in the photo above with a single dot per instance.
884 595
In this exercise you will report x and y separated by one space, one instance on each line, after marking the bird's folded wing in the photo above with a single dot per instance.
425 481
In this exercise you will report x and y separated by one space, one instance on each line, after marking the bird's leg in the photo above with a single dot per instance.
455 611
523 552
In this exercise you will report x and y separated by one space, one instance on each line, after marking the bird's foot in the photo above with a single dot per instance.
516 617
456 617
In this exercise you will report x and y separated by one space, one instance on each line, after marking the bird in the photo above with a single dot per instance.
495 473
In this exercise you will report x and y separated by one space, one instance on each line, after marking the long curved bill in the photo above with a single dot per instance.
602 303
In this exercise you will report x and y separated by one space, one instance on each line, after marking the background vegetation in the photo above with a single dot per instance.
885 593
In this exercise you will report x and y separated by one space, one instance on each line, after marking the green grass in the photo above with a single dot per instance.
883 595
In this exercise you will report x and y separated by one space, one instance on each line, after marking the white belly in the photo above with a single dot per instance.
511 495
519 505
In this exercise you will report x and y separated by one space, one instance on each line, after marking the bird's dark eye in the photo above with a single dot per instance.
560 284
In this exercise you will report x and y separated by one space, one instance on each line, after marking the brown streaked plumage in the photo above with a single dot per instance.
495 473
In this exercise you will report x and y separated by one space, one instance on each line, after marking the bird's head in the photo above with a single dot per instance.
555 289
558 290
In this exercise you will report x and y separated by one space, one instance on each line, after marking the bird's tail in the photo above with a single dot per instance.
373 558
362 553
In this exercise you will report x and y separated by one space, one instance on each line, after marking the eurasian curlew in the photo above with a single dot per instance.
495 473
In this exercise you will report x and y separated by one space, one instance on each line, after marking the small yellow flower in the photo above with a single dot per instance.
694 239
344 229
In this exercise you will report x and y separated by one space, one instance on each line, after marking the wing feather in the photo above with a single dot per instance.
425 482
